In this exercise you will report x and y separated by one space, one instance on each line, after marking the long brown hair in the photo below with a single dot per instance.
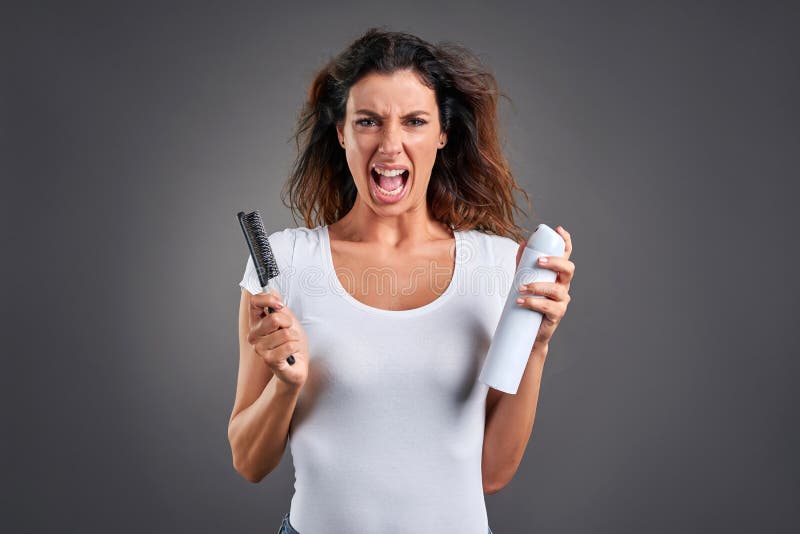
471 185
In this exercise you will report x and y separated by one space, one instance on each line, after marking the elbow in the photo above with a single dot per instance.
240 461
498 477
252 471
247 472
246 468
253 467
490 488
254 478
493 483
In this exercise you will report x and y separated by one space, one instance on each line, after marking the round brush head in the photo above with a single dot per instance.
257 242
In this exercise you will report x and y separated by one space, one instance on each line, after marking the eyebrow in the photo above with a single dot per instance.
374 114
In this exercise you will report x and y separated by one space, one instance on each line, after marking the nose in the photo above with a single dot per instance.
391 142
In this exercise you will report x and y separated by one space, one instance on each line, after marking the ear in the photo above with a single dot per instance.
339 132
443 139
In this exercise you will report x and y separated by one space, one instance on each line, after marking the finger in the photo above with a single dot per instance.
287 349
550 309
256 314
270 340
288 313
567 240
273 321
264 300
551 290
561 265
275 352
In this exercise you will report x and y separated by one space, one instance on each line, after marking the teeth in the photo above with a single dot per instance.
390 193
385 172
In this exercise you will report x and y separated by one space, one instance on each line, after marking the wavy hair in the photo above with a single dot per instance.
471 184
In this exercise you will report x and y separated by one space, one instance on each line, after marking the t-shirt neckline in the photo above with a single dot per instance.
340 290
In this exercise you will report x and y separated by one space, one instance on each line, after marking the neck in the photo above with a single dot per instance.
415 225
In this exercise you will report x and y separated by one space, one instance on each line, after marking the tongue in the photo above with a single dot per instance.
390 183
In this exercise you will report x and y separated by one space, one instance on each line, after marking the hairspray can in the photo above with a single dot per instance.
517 328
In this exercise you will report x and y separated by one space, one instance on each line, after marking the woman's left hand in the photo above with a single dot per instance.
554 306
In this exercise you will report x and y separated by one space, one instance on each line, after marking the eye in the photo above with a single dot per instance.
360 122
420 122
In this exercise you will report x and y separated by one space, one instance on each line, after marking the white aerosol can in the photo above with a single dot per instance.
517 328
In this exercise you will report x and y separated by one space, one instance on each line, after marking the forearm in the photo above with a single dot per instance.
258 434
510 424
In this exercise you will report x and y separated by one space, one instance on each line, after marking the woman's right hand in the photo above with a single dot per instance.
274 336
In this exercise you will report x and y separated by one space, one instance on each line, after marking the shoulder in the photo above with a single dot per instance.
504 247
282 243
500 248
494 259
297 246
288 239
301 240
301 233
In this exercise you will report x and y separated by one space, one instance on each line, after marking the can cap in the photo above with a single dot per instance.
547 240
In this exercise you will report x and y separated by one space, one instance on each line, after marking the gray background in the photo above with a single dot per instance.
663 136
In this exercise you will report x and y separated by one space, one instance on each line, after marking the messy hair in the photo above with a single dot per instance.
471 184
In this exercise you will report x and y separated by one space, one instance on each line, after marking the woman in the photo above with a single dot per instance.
401 180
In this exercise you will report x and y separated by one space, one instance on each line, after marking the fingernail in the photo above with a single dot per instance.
278 305
520 300
543 259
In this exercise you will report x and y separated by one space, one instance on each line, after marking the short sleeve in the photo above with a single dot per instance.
505 252
282 244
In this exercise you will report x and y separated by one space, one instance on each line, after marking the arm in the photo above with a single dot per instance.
509 424
258 429
509 418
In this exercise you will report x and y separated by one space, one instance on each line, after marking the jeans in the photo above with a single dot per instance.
286 527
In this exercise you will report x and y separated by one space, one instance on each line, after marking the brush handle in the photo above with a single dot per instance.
290 359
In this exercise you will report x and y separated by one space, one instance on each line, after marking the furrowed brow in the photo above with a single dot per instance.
371 113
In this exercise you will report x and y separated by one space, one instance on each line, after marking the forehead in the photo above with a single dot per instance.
398 92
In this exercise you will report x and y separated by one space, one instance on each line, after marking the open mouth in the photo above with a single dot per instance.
390 186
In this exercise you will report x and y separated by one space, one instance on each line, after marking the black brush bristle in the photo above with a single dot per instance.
257 242
261 252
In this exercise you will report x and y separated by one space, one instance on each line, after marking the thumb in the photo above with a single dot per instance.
274 291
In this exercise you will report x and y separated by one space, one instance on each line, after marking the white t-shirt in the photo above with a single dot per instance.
388 429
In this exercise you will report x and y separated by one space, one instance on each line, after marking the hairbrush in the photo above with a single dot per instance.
261 252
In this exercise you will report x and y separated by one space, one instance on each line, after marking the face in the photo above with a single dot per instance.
391 123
